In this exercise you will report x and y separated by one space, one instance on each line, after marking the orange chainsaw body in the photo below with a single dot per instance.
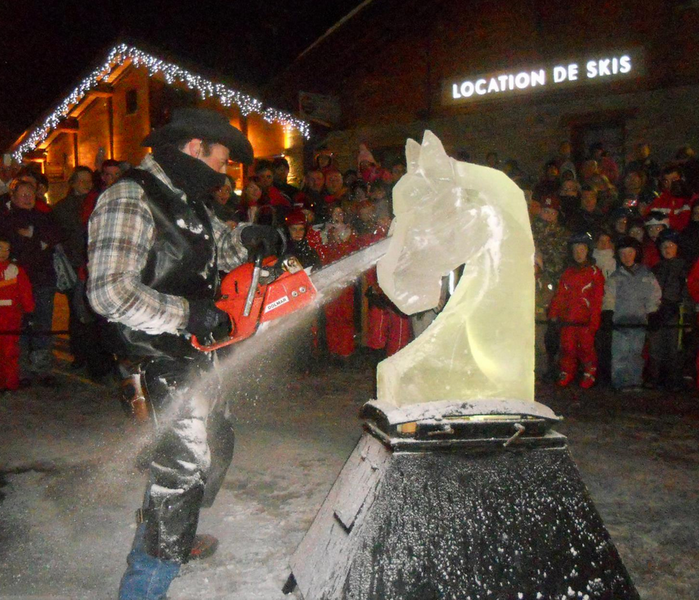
289 292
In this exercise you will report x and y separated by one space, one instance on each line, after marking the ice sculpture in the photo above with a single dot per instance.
481 346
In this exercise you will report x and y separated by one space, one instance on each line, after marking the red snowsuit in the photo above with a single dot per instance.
678 210
386 328
578 301
15 300
339 314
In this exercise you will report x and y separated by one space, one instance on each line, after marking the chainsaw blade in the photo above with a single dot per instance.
343 272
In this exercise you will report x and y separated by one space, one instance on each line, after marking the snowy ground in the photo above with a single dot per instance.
69 486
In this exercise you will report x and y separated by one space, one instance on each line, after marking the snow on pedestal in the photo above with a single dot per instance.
481 346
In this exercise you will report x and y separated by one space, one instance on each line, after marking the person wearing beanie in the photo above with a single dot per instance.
298 244
664 364
631 294
155 250
577 306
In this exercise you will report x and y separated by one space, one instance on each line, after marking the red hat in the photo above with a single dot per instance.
296 218
551 202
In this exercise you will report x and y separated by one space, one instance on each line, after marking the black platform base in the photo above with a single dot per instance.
463 524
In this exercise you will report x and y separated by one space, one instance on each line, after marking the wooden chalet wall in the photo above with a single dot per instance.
117 117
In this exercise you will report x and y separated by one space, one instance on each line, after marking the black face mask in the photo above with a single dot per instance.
194 177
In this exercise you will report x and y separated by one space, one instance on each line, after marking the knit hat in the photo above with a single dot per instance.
668 235
296 217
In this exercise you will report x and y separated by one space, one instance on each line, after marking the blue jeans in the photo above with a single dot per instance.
146 577
36 346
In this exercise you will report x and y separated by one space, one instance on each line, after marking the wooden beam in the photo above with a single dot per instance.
69 125
101 90
35 155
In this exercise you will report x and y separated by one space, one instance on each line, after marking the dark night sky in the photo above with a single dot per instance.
46 46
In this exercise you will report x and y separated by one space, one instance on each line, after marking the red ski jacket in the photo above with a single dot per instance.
578 298
15 296
678 210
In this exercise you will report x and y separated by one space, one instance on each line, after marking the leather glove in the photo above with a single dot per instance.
206 318
260 238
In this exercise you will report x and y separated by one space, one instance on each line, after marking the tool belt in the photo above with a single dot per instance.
134 399
147 385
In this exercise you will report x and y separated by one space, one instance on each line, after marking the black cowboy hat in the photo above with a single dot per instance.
207 125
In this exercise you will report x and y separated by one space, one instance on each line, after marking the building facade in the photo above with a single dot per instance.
512 77
112 110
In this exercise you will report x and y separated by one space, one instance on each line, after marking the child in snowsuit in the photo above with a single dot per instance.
387 328
15 300
663 330
630 295
577 305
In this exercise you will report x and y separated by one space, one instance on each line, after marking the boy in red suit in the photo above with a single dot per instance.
578 304
15 300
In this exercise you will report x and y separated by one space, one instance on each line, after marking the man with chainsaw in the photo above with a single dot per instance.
155 250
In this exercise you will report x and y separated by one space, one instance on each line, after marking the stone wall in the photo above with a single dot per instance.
530 133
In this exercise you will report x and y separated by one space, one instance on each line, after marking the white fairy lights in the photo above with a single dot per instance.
172 74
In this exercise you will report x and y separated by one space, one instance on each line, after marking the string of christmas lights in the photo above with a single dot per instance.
172 74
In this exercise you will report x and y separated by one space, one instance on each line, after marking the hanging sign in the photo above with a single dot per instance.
527 80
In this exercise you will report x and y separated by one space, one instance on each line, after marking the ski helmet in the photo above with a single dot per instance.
583 237
656 217
630 242
668 235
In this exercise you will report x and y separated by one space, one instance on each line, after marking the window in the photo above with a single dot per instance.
131 101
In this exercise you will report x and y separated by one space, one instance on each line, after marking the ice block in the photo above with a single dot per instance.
450 213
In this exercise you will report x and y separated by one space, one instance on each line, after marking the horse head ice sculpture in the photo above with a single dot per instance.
481 346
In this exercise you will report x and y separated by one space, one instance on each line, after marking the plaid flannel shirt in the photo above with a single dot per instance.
121 233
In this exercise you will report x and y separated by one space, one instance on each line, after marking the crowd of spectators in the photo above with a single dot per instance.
616 261
43 251
616 267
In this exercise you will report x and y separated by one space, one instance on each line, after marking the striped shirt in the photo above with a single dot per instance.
121 233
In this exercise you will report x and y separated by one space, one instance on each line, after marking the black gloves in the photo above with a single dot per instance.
206 318
260 238
607 320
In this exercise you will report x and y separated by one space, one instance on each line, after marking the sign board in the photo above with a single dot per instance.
540 78
320 108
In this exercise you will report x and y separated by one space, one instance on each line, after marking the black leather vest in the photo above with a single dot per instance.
181 262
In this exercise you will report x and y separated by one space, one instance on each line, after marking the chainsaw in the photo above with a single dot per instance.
260 291
265 290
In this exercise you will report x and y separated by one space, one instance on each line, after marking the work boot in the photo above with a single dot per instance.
587 381
564 379
204 546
